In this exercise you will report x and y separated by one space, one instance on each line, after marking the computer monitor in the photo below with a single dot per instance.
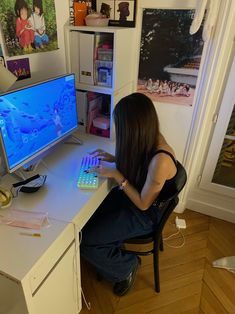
35 118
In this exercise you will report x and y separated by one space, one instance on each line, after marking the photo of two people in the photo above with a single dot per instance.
28 26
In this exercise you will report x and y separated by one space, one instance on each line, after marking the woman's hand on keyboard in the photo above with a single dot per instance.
103 155
105 169
108 170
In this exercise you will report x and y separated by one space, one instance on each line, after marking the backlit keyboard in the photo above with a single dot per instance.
88 180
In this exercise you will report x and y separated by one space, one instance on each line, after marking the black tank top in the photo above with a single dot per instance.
168 153
169 184
154 211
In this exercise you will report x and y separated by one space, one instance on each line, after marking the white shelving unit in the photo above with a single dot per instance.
78 48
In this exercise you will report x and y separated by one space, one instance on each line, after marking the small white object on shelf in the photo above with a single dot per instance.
96 19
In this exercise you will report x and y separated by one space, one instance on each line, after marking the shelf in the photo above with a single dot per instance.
96 29
95 88
88 56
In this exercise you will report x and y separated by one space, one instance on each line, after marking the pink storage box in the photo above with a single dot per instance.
101 123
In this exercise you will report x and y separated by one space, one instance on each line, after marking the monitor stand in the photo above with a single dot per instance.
19 175
24 173
73 139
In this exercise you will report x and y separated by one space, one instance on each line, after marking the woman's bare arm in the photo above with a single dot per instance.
161 169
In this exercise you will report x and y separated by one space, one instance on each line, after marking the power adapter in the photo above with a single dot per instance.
180 223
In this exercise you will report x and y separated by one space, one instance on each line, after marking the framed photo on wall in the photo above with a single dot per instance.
121 13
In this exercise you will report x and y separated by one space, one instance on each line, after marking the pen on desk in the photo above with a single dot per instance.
37 235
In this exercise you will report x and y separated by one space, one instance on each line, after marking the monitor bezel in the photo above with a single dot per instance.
43 151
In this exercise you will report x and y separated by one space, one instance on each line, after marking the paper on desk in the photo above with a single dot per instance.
25 219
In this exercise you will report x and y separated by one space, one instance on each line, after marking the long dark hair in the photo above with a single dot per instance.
38 4
20 4
137 134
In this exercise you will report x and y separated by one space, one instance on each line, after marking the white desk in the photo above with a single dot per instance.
42 275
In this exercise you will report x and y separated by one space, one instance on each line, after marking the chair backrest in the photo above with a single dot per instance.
176 187
168 199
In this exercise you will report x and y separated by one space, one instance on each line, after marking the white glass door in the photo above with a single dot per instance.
219 171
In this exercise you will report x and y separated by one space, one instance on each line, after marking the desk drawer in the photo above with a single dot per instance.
45 265
60 292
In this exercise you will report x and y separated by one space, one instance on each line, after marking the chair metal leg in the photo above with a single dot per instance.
156 271
99 276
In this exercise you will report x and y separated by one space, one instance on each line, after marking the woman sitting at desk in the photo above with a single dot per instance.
143 162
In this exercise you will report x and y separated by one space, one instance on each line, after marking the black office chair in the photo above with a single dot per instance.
166 203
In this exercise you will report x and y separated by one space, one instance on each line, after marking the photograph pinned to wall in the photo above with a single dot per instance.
20 68
106 7
169 56
28 26
121 13
2 60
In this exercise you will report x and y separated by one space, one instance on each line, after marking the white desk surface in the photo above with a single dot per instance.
61 198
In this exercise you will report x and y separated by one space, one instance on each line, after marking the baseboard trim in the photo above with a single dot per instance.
209 210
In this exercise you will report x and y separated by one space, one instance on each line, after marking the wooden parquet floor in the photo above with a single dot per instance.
189 284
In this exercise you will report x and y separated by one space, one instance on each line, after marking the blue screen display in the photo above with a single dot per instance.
33 118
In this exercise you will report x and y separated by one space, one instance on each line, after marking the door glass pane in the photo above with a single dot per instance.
225 169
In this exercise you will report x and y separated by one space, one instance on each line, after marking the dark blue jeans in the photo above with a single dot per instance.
115 220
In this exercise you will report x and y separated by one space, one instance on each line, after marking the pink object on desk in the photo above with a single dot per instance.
25 219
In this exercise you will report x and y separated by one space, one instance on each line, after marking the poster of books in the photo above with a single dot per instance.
169 56
28 26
